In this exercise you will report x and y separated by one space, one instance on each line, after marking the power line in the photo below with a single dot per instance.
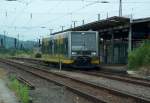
18 15
91 2
70 13
87 5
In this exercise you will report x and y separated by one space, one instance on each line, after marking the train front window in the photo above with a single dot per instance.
83 43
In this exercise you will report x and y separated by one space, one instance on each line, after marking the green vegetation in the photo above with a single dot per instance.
15 52
140 57
22 91
38 55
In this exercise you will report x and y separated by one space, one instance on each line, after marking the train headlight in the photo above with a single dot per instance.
74 53
93 53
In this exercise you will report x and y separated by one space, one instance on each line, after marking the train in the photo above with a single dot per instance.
78 49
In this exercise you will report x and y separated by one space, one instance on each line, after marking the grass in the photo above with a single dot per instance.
22 91
15 53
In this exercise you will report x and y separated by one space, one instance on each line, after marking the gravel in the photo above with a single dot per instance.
46 92
118 85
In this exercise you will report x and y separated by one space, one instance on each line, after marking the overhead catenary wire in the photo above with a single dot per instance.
70 13
79 9
18 15
74 12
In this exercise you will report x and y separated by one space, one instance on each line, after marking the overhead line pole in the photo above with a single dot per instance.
130 35
99 17
120 8
51 30
62 27
83 22
74 23
18 40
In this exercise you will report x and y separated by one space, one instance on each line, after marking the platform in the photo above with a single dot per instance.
114 68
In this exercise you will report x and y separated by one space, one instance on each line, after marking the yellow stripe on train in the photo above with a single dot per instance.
95 62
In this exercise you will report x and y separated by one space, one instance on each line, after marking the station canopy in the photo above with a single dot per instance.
100 25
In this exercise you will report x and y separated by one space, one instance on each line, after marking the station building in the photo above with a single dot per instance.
117 36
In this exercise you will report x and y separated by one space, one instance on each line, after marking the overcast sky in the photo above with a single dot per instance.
32 19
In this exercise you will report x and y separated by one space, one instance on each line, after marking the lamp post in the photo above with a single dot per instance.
120 6
102 2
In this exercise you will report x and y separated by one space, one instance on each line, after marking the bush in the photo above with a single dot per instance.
140 57
38 55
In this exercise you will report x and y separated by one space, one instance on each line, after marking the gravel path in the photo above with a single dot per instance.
127 87
6 95
46 92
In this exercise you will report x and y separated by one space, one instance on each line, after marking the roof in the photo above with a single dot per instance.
141 20
111 22
101 24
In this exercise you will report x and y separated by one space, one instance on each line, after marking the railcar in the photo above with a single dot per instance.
78 49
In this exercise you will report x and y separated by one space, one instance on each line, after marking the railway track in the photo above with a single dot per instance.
128 79
98 94
124 78
26 82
